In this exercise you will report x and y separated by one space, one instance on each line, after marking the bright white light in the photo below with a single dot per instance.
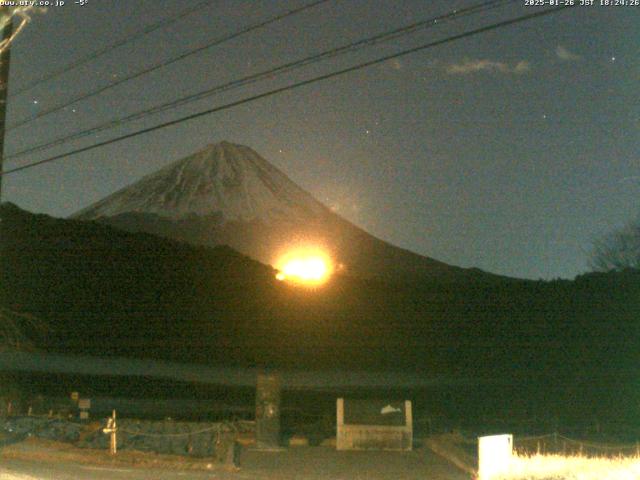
306 269
494 456
573 467
304 265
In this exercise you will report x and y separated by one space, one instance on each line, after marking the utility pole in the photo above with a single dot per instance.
5 56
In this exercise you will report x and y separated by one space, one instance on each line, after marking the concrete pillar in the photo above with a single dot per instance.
268 411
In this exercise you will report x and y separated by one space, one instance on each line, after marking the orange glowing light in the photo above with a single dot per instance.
306 266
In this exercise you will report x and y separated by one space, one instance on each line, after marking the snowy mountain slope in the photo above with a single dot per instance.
225 180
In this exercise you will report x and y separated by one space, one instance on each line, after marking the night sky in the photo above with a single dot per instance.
510 151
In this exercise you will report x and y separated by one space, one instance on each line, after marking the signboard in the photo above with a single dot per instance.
374 412
374 424
84 403
494 456
75 396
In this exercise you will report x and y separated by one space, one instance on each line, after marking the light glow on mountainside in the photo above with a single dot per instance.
306 266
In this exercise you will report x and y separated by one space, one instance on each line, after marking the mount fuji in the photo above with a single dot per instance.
228 194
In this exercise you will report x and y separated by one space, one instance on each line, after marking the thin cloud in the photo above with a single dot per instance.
474 66
563 54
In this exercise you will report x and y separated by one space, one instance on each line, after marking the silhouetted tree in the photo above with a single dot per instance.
620 250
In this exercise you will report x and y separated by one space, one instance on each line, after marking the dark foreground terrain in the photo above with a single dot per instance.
562 351
31 460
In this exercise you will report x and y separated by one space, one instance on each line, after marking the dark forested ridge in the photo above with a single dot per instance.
107 292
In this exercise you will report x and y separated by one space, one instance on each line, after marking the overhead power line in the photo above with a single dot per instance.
119 43
487 28
268 74
217 41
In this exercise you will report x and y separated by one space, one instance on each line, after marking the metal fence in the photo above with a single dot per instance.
198 439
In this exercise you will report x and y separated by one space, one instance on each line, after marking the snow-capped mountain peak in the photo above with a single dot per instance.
227 180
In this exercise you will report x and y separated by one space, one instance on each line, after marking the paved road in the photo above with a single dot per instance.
29 470
304 463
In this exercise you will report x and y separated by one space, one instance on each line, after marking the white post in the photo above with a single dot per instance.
494 456
340 424
408 412
340 413
113 444
111 429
